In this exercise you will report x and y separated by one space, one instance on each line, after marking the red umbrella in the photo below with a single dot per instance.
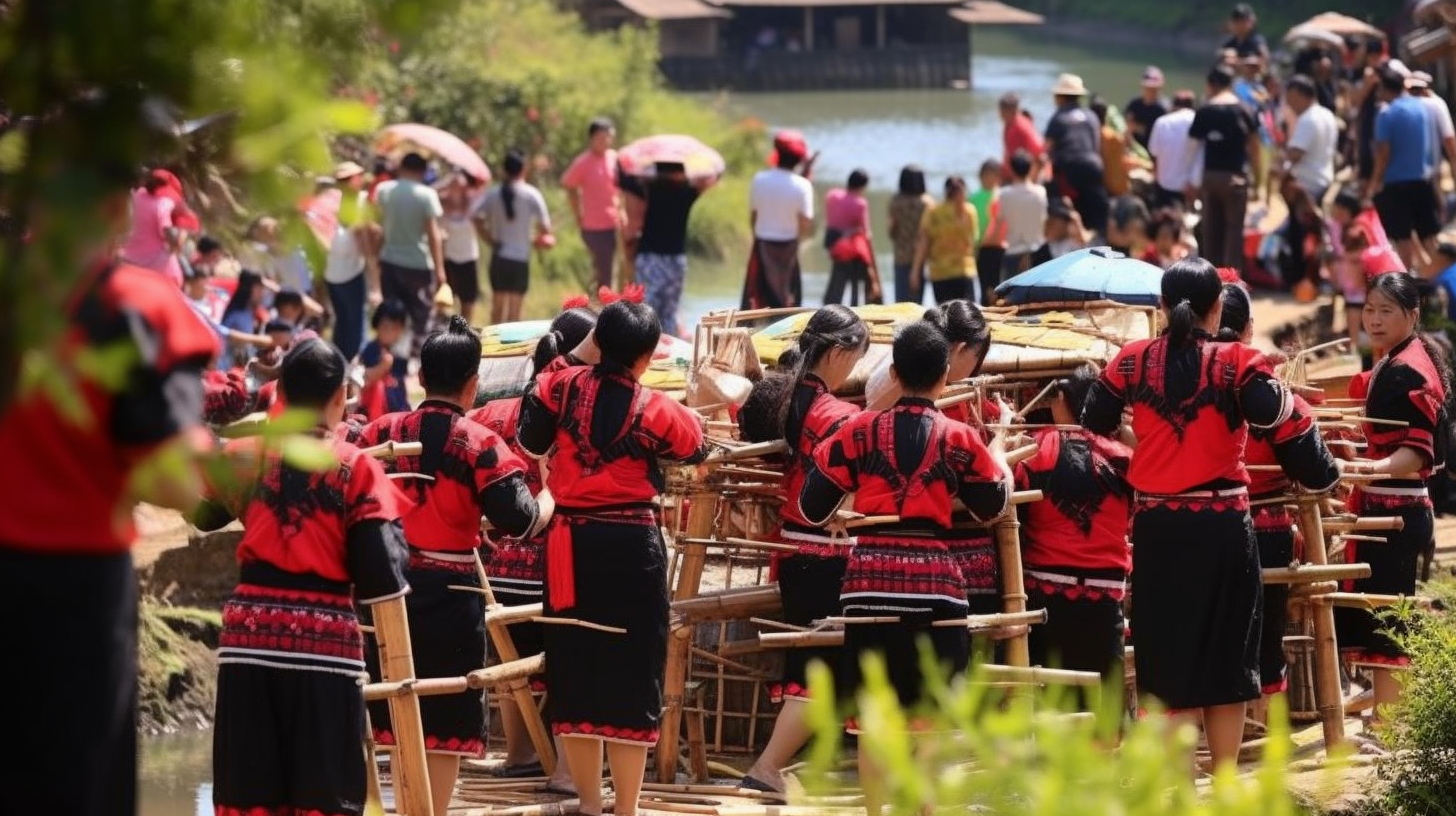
699 160
444 146
321 213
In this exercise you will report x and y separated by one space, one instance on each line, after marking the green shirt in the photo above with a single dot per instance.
405 209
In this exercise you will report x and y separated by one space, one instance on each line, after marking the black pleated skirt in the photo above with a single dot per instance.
447 634
1362 634
606 685
1197 593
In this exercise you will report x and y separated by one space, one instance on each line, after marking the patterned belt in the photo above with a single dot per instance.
453 557
1072 580
1418 492
1195 494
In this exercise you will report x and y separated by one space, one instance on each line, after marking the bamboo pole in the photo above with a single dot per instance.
1310 590
1364 600
740 543
397 663
1329 699
485 678
747 451
1309 573
689 582
392 449
743 602
1013 586
1038 675
1364 524
518 688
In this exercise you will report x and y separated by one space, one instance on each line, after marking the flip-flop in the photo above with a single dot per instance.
556 791
525 771
750 783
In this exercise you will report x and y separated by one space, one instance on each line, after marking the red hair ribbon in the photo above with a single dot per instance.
1228 274
632 293
575 302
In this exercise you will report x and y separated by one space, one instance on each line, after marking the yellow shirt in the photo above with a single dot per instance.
950 232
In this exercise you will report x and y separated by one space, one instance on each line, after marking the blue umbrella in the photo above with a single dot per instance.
1098 273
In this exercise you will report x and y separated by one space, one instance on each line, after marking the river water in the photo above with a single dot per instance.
945 131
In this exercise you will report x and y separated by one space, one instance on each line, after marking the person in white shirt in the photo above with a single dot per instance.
1309 157
460 199
1443 141
351 277
1175 156
781 203
1024 212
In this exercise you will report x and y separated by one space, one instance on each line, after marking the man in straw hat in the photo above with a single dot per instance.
1146 109
351 275
1074 144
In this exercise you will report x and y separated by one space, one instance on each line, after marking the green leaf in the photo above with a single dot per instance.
306 453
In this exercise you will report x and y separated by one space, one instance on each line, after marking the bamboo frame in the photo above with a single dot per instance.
489 677
729 603
699 525
1007 532
1364 524
1329 696
410 771
517 687
392 449
1365 600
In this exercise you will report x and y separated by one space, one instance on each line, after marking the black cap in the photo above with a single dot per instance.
1242 11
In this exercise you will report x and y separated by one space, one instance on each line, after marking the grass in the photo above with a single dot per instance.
177 671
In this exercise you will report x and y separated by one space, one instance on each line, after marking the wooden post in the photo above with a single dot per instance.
808 28
880 34
680 638
970 57
1329 699
520 688
397 662
1013 585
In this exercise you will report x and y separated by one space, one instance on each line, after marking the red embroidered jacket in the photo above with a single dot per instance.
68 483
1083 523
1406 386
336 524
814 415
608 432
909 461
474 474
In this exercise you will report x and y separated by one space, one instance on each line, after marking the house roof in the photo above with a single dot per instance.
994 12
823 3
673 9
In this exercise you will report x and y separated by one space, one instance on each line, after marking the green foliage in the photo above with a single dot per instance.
1016 755
1421 730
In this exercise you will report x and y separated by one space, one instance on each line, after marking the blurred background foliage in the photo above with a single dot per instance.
249 100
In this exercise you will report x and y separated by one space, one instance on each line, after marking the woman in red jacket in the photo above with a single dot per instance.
1196 564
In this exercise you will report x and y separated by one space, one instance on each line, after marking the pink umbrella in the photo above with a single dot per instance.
446 147
321 213
699 160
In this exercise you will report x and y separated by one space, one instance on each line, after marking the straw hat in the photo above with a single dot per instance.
1069 85
348 169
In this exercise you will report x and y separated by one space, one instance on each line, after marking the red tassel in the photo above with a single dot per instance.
560 569
633 293
607 296
575 302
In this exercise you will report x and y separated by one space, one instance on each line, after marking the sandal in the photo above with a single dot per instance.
554 790
758 785
523 771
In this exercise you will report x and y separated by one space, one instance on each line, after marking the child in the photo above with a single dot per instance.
1367 252
992 251
470 473
1063 233
289 714
1166 234
386 363
910 462
1076 556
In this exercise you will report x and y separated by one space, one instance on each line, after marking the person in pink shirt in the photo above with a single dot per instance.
591 187
847 237
154 239
1020 134
1367 253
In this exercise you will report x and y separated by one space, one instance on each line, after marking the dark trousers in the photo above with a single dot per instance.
1083 183
71 676
988 271
903 291
348 300
601 245
955 289
1225 203
853 275
415 288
